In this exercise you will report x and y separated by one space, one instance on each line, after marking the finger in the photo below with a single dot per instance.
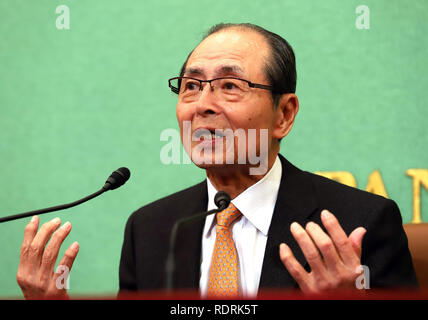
294 268
69 256
42 237
326 246
62 272
339 237
29 234
309 249
51 251
356 238
25 269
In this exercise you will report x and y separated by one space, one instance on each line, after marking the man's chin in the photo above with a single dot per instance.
209 163
213 167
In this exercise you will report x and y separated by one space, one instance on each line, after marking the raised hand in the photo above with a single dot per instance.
334 258
36 275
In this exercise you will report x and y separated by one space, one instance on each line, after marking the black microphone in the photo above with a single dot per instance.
116 179
221 200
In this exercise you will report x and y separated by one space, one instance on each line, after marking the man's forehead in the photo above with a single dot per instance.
230 52
221 70
232 42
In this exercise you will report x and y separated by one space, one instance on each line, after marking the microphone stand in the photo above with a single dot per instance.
170 261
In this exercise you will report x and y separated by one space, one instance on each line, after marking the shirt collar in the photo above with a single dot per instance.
255 203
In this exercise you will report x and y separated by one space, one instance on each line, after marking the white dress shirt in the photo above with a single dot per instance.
249 232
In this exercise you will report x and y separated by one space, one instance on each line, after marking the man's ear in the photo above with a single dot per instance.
286 112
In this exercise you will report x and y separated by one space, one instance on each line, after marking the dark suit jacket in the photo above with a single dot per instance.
301 197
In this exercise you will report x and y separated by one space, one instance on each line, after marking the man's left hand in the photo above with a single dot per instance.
334 258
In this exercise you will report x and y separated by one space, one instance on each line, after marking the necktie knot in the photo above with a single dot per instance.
227 216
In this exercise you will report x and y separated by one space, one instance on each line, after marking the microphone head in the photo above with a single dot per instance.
222 200
117 179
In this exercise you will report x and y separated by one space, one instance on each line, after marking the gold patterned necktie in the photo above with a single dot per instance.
223 274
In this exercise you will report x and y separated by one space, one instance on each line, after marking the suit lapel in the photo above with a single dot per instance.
295 202
188 245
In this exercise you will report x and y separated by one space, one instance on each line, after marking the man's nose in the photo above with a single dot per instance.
208 101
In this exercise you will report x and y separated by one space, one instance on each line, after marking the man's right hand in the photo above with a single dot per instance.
36 275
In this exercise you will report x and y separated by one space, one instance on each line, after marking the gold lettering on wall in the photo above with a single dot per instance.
344 177
419 177
375 184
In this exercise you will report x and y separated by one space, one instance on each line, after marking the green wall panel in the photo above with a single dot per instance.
77 104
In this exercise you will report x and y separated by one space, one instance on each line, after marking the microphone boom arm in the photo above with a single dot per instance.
114 181
51 209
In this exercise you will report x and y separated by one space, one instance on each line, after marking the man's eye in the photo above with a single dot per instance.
230 86
192 86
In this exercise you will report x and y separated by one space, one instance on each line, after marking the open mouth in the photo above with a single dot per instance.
208 134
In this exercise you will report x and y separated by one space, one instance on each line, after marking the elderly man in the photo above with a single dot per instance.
283 228
244 77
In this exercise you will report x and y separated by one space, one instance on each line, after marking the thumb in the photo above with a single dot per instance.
356 238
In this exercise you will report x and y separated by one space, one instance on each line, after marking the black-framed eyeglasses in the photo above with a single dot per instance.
228 88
